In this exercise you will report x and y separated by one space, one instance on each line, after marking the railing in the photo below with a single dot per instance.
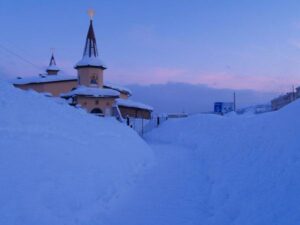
143 126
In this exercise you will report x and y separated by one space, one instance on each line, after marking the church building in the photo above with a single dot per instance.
89 89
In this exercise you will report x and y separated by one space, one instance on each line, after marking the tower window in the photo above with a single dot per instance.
94 80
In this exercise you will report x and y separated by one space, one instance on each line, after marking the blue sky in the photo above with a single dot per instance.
223 44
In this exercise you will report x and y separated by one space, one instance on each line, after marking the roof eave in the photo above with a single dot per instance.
90 96
52 70
44 82
90 66
132 107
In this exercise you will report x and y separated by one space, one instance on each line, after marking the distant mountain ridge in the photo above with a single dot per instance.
189 98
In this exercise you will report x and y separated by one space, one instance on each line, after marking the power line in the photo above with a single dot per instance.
20 57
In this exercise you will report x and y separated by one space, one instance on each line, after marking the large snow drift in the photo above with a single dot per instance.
60 165
217 170
250 165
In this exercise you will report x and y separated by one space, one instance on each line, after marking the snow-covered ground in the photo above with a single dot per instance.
60 165
219 171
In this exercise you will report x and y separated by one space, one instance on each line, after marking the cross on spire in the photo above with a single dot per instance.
91 13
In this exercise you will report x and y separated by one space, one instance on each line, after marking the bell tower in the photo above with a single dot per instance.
90 68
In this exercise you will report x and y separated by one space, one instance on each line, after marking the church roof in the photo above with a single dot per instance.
92 92
61 78
133 104
43 79
118 88
90 56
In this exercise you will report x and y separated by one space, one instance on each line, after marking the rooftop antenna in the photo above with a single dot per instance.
91 13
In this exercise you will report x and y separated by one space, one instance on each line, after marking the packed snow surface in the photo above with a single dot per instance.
217 170
60 165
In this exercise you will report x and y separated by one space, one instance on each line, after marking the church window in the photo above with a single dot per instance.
94 80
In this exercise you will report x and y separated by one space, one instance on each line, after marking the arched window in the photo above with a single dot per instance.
97 112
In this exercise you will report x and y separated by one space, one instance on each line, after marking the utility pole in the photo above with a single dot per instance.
234 101
293 88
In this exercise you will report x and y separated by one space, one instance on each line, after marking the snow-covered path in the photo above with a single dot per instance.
219 170
171 192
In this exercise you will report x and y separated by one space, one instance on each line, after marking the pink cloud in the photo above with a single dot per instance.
216 80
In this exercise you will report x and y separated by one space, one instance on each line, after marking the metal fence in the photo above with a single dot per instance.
143 126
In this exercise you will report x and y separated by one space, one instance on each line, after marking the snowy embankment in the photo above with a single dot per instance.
59 165
217 170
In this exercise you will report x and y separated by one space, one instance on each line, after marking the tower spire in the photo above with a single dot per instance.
90 48
90 53
52 69
52 61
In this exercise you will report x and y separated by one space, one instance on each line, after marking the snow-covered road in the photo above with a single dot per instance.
171 192
219 170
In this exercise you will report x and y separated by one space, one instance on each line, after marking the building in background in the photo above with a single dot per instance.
88 90
283 100
297 92
223 107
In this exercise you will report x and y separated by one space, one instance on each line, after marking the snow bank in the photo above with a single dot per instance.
60 165
249 166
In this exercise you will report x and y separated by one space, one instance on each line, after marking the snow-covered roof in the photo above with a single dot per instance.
90 61
91 91
52 67
132 104
43 79
117 88
57 78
